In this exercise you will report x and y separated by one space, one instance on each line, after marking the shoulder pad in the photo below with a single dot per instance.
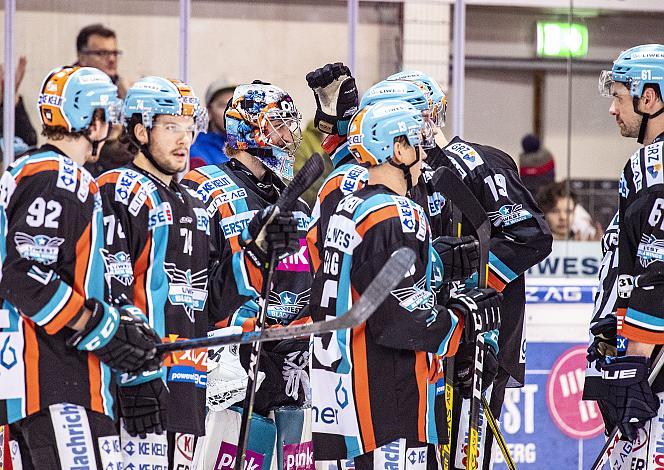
216 180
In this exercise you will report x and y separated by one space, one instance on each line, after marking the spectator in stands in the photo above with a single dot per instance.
536 164
209 146
566 218
97 47
25 135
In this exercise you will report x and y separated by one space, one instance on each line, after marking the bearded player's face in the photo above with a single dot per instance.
170 140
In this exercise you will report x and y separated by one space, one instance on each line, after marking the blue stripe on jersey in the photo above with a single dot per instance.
94 283
245 312
34 158
45 315
500 268
344 301
106 375
14 409
342 152
432 428
243 288
445 343
353 446
644 320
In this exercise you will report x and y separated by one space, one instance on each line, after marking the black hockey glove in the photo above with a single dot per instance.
119 336
604 342
628 400
143 407
270 231
460 256
336 97
464 365
481 311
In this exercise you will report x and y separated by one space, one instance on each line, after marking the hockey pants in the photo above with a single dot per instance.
65 436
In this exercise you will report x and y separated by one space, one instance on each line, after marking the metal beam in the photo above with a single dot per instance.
548 65
9 98
353 15
458 66
185 16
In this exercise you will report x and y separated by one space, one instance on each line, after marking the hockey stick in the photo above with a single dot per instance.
613 438
387 279
307 175
452 187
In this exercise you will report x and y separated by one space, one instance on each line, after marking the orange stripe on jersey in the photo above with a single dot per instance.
33 168
314 257
94 377
377 217
330 185
196 177
421 376
361 387
31 361
140 271
495 282
77 298
108 178
455 340
255 274
361 384
633 333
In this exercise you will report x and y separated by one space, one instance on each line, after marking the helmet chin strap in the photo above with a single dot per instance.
95 143
406 169
644 120
145 150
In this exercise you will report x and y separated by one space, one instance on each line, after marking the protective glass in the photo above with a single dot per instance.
439 112
428 130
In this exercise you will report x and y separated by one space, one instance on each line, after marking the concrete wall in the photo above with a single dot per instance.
275 40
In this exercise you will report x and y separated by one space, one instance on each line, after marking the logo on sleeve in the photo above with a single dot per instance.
637 176
406 214
468 154
509 214
118 267
416 297
654 174
650 249
187 289
39 248
124 186
67 175
352 180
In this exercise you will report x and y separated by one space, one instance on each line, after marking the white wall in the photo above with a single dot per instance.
273 40
499 104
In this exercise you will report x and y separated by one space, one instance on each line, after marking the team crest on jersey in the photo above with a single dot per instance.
467 154
118 267
285 306
509 214
416 297
39 248
187 289
650 250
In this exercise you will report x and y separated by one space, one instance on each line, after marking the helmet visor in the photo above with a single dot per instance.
429 130
282 130
113 112
605 82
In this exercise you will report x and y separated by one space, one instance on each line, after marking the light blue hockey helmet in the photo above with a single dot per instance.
69 96
406 91
152 96
373 129
635 68
437 97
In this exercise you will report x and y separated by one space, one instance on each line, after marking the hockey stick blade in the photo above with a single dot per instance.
308 174
387 279
612 439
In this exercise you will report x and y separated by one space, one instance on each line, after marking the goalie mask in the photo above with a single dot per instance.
262 120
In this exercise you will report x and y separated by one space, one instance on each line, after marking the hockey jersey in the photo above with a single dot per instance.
232 196
520 236
157 250
382 380
349 177
51 234
641 241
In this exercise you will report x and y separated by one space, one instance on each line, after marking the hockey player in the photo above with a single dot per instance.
520 237
635 83
157 237
58 333
374 387
263 129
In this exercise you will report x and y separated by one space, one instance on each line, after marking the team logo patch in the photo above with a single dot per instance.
284 306
416 297
468 154
187 289
509 214
118 267
39 248
650 250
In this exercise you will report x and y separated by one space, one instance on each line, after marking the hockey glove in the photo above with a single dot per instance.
464 366
628 400
143 406
336 97
480 309
119 336
604 342
460 257
270 231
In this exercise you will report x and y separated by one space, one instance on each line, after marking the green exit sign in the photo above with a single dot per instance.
561 39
